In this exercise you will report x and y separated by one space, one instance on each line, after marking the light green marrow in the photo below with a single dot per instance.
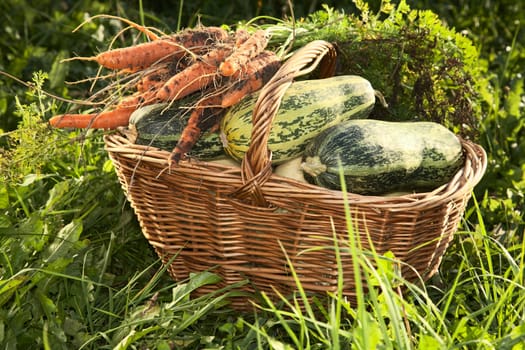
307 108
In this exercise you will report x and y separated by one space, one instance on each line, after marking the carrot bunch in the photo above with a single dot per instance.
223 67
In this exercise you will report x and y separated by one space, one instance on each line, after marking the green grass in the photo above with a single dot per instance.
76 272
478 304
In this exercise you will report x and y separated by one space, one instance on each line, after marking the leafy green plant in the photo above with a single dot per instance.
58 197
425 69
37 37
497 29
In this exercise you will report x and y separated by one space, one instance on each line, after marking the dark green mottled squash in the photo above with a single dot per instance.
378 157
160 126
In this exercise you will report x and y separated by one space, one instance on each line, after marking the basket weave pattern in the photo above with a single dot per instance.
234 220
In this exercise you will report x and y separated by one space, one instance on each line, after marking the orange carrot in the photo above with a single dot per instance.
256 73
136 57
241 35
155 76
140 56
200 37
138 99
153 80
195 77
149 83
204 117
104 120
244 53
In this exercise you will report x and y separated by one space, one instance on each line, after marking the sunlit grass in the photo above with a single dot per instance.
480 305
76 272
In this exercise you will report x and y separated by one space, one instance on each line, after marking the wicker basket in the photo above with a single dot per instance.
207 216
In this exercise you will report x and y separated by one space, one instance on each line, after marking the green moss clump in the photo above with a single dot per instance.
425 70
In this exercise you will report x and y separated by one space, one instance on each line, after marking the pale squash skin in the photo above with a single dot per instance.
291 169
307 108
378 157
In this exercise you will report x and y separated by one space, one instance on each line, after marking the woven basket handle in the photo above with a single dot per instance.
256 166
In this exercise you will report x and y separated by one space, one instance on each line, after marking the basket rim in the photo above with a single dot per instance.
459 186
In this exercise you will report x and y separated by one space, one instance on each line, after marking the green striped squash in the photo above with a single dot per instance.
160 125
378 157
307 108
